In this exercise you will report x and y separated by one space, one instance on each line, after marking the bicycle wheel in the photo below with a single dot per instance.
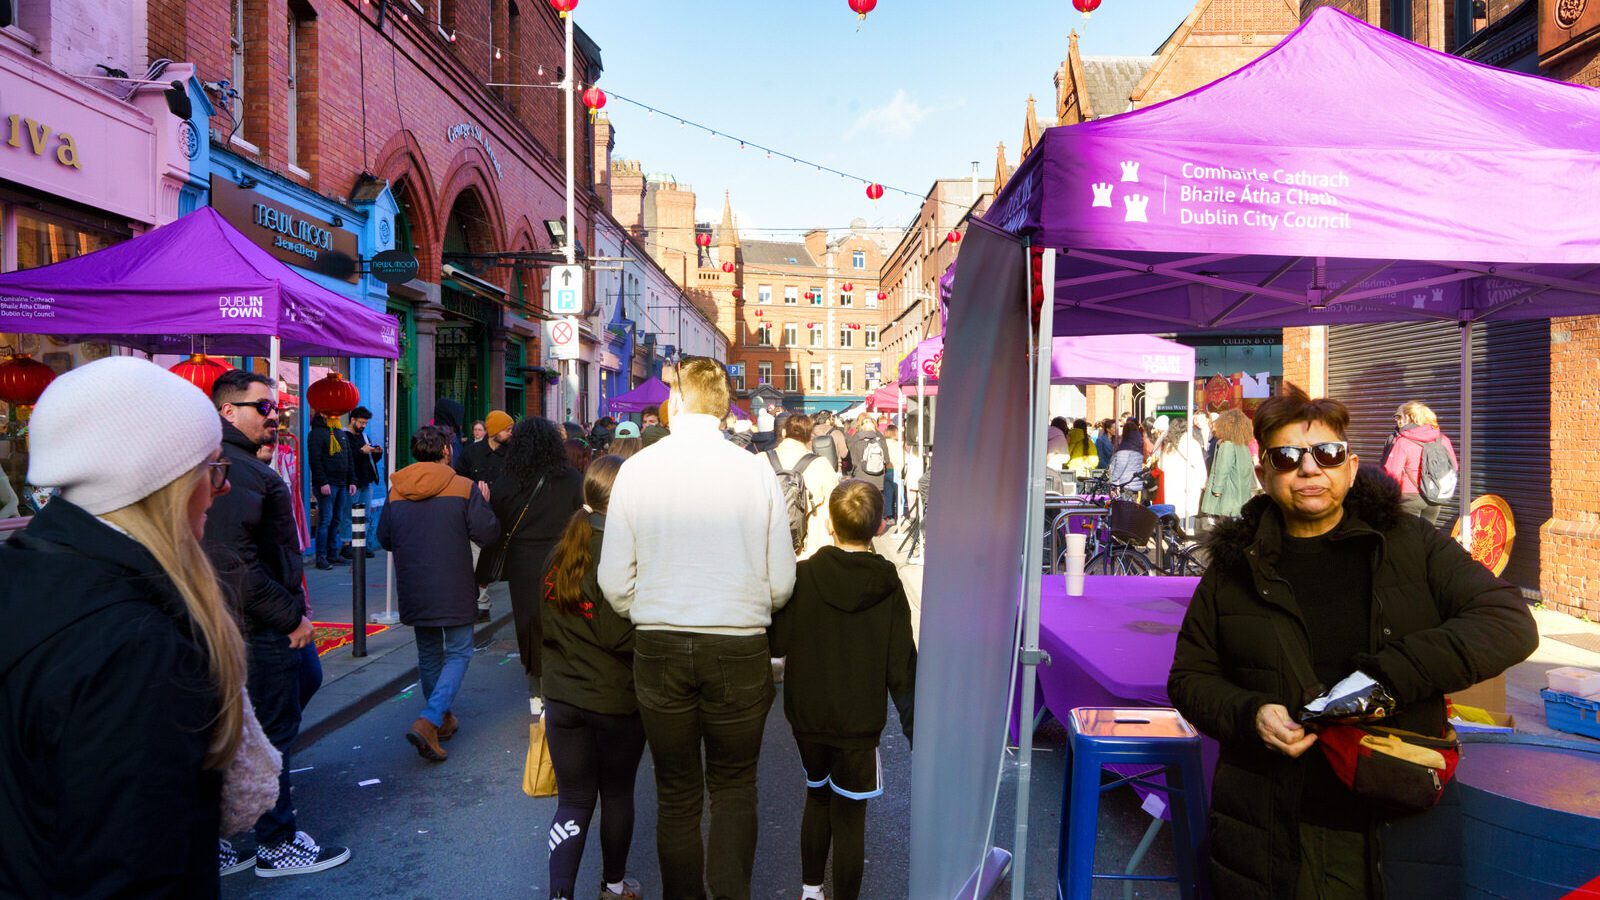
1117 561
1188 562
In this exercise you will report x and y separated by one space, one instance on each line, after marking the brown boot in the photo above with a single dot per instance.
425 737
448 729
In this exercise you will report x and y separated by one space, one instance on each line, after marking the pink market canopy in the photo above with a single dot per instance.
888 398
196 283
1347 175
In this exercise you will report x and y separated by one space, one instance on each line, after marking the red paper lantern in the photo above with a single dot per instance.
736 294
201 370
874 191
595 99
23 379
882 296
703 239
760 312
953 237
810 295
862 7
564 6
1086 6
333 396
727 267
848 287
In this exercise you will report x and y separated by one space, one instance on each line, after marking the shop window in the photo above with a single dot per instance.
42 241
791 376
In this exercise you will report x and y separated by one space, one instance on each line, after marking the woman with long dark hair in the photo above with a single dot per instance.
591 716
534 496
1129 458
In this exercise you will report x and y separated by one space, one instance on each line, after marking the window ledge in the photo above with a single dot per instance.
299 172
24 39
244 145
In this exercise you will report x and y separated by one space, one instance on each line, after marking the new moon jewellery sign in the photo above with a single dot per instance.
469 131
394 267
286 233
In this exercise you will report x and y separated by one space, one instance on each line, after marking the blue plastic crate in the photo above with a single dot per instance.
1574 715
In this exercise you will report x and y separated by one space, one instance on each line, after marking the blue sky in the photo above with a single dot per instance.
922 89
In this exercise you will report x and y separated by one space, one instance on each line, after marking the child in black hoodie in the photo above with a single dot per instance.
847 635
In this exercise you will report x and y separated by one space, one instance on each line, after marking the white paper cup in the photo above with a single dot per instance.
1074 584
1076 544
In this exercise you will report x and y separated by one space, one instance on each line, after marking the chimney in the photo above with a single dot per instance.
817 244
605 139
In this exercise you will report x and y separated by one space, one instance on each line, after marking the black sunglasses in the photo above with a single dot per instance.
264 407
1328 455
218 471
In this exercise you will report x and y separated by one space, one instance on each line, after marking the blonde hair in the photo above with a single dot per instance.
703 385
160 522
856 509
1416 411
866 419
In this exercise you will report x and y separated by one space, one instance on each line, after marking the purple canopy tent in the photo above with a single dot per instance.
650 392
1330 181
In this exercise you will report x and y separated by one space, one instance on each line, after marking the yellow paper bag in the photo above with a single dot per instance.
539 773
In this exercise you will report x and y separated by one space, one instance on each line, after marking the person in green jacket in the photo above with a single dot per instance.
1232 480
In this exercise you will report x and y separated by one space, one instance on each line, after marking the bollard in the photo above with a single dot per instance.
358 571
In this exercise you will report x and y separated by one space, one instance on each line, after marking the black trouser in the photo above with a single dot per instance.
838 783
274 685
593 754
713 691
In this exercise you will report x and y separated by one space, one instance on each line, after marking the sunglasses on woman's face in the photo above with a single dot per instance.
1328 455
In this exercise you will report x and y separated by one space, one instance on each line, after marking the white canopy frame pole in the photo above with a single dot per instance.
391 410
1033 566
922 430
274 351
1464 458
900 495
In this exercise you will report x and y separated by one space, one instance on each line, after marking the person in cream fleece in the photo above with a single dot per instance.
697 553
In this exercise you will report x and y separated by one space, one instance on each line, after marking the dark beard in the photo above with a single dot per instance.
269 439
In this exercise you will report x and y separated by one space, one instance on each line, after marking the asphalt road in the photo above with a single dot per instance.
463 828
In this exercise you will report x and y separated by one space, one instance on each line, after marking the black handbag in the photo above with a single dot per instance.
492 561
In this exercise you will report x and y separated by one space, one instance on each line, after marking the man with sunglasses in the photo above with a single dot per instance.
250 533
1322 577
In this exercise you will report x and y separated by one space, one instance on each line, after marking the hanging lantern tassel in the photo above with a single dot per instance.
861 8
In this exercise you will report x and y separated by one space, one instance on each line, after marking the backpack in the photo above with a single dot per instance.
873 460
1437 479
795 496
822 445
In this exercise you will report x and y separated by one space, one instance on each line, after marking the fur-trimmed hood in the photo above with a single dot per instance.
1373 503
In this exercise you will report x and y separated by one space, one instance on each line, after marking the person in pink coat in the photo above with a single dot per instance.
1415 426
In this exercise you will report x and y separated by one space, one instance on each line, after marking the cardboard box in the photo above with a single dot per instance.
1487 695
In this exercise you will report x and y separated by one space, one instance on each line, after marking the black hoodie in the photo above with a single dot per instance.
847 635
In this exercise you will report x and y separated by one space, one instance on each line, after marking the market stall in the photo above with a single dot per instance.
1230 206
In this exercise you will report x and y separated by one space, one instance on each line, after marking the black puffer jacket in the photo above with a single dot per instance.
329 466
1440 622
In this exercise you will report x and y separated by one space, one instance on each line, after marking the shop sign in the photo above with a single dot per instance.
470 132
394 267
1565 26
36 137
288 234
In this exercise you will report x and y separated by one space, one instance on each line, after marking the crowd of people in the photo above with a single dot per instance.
157 652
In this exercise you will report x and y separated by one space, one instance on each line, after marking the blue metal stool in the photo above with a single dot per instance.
1145 738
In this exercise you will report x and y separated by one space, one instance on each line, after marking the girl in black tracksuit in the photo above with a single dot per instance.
847 635
591 717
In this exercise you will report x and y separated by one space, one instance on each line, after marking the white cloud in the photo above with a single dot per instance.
897 118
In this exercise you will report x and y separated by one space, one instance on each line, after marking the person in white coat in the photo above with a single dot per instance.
1182 460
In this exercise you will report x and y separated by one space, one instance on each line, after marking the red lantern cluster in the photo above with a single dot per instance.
727 267
564 6
761 312
333 396
862 7
810 295
874 191
23 379
855 326
201 370
848 287
882 296
953 237
703 239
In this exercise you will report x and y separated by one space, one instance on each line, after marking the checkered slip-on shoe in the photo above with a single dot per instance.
300 856
228 861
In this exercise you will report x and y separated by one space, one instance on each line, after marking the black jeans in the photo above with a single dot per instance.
712 691
274 684
593 754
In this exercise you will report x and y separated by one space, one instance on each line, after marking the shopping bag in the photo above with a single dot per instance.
539 773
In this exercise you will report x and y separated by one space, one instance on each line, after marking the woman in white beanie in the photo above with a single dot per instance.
121 668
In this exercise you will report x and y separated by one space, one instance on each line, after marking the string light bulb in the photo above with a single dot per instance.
497 53
452 36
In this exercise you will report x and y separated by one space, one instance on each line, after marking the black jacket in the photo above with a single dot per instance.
529 548
252 539
452 415
431 517
588 658
327 466
1440 622
480 463
847 635
105 711
364 465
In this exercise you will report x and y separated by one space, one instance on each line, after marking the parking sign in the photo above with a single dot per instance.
566 291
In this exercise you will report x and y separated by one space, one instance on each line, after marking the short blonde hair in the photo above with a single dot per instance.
1417 412
703 385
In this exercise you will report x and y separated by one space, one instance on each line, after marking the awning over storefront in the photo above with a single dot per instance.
196 284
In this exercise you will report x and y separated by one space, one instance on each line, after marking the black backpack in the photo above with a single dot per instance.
795 496
822 445
1437 479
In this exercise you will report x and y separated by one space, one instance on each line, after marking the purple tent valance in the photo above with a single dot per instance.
1119 359
1329 181
650 392
195 283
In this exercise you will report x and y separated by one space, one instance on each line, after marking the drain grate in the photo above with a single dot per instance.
1586 641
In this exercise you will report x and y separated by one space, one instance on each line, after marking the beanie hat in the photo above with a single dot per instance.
496 422
117 430
627 430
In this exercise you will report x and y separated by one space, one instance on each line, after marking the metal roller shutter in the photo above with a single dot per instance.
1375 368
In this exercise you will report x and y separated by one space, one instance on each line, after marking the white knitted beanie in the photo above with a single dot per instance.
116 431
